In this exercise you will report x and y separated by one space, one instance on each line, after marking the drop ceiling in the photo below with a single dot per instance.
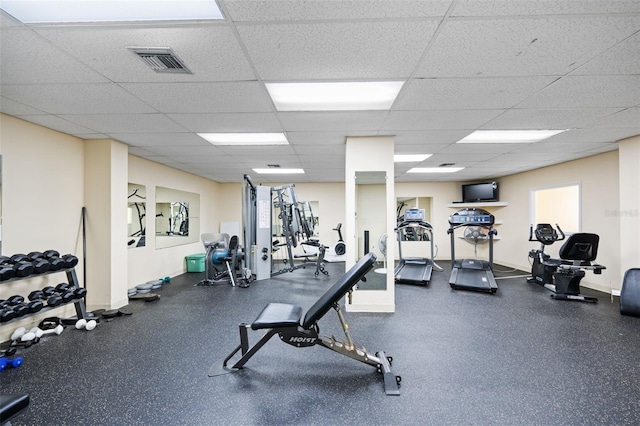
468 65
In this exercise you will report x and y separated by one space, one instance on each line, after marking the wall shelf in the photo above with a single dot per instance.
481 204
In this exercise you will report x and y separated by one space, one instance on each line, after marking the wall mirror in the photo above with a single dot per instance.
413 239
371 225
136 215
177 217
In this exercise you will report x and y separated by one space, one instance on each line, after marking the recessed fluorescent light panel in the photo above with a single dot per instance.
410 158
435 169
47 11
278 171
509 136
245 138
334 96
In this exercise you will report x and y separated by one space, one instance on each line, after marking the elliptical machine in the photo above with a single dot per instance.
545 234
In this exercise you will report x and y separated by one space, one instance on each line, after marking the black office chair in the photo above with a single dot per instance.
577 255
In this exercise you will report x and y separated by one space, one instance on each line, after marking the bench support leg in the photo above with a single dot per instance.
244 349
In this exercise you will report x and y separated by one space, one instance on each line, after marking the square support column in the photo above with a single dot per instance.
369 165
629 165
105 194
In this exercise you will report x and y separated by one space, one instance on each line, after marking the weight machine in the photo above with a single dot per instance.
223 261
296 224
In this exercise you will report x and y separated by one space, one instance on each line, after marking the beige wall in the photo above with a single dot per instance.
598 176
148 263
43 195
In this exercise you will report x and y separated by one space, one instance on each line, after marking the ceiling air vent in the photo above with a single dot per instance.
161 59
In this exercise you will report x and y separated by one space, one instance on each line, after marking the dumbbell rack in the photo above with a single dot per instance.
81 310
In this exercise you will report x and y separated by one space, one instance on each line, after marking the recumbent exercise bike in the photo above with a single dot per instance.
562 276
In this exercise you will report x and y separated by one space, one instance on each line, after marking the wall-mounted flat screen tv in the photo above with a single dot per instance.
476 192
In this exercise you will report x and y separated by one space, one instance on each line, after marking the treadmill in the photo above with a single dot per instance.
472 274
414 270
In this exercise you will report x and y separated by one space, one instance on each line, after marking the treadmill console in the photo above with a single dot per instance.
471 216
414 215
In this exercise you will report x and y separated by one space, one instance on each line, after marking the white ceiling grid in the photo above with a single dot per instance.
468 65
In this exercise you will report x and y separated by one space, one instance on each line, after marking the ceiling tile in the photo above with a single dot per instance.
160 139
58 123
428 137
213 123
99 98
544 7
202 97
332 121
624 59
182 152
324 51
468 93
28 58
7 20
478 148
256 152
521 47
286 10
11 107
322 139
534 119
126 123
210 52
588 92
438 120
602 135
337 151
629 117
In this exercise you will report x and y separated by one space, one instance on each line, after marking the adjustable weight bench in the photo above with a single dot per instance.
285 320
11 405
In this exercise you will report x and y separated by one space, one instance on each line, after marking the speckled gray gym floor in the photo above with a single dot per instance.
516 357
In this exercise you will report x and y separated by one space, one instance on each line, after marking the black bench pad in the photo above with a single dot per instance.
278 315
12 404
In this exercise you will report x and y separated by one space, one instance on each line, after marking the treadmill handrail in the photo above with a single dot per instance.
413 223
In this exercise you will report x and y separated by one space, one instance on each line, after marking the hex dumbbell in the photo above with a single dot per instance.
52 300
52 256
20 263
6 272
64 290
16 303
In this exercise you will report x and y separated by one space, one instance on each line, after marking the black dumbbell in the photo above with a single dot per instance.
16 303
35 255
6 313
6 272
64 290
52 300
51 256
70 260
20 263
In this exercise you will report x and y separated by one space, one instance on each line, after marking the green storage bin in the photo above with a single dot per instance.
195 262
